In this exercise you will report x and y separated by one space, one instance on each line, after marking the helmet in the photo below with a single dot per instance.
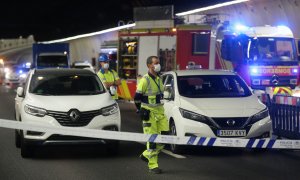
103 58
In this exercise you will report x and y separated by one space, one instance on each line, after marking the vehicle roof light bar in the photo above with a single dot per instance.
90 34
211 7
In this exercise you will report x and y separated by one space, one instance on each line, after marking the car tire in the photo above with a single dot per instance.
112 148
175 148
17 139
27 150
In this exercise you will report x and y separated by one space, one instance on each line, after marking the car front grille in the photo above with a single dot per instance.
227 123
64 118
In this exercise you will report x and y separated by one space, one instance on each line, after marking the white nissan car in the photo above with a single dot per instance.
213 103
64 97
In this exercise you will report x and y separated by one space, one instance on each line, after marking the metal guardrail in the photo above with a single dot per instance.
285 115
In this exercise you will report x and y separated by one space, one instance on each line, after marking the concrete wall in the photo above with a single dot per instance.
7 44
263 12
85 49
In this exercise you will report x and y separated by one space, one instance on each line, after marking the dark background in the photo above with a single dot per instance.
53 19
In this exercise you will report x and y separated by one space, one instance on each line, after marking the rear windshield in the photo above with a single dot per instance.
62 85
52 61
210 86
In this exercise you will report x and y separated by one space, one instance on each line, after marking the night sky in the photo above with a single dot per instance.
53 19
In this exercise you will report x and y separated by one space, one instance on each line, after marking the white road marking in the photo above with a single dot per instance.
173 154
178 156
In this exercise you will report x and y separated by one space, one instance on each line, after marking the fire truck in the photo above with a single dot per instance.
265 56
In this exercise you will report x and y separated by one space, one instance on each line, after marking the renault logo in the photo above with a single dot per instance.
230 122
74 114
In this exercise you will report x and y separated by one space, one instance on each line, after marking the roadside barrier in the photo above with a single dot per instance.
285 115
167 139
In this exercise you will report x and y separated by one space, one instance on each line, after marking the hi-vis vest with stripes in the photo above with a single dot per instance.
151 91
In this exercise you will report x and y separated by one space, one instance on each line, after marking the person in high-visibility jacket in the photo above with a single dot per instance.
148 99
108 76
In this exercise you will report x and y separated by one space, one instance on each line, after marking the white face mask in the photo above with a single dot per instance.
157 67
106 66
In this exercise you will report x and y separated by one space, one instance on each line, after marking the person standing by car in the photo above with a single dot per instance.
108 76
148 98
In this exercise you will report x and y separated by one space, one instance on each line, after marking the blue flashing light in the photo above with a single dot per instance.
254 70
284 29
295 71
27 65
240 27
20 71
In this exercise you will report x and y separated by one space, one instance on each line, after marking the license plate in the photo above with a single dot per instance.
231 133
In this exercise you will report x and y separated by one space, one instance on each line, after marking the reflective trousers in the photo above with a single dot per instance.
157 124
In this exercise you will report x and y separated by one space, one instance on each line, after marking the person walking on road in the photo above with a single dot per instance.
148 99
108 76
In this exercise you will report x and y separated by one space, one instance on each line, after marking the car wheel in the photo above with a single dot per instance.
175 148
26 150
17 139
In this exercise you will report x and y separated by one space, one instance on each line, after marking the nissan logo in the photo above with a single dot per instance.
74 114
230 122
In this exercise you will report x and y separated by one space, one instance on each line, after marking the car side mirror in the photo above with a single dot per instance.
258 93
112 90
20 92
167 95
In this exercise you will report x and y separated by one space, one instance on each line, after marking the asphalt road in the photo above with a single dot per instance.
92 162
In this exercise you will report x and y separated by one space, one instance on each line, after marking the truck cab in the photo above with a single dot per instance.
264 56
54 55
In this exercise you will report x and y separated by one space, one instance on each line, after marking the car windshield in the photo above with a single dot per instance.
212 86
63 85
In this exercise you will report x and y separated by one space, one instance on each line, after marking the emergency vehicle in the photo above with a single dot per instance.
264 56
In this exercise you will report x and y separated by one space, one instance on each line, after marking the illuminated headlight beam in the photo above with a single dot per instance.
211 7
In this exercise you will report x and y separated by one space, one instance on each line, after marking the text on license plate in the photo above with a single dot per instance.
231 133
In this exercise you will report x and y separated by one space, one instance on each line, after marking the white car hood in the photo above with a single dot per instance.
223 107
65 103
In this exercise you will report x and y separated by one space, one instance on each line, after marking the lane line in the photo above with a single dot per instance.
178 156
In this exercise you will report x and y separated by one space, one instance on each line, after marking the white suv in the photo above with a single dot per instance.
213 103
64 97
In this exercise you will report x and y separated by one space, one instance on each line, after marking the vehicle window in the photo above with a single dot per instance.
26 85
210 86
169 80
66 85
52 61
82 66
168 86
274 49
164 77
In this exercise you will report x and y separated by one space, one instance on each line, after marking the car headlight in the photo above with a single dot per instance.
23 76
259 116
39 112
7 75
6 70
193 116
106 111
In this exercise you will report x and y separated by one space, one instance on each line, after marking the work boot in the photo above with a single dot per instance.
155 170
143 158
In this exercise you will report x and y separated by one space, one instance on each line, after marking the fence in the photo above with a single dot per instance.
285 115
